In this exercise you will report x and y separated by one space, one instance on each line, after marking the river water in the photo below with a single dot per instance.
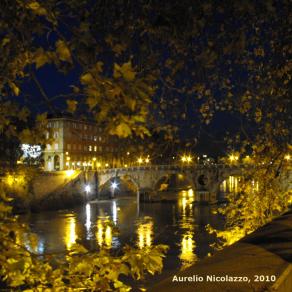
114 223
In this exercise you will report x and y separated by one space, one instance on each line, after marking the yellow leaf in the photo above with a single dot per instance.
72 105
37 8
91 102
62 51
123 130
99 66
14 88
128 72
41 58
87 79
5 41
117 71
130 102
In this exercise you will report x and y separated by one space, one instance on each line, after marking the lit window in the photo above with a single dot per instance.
90 148
47 135
95 148
56 146
94 138
49 147
99 139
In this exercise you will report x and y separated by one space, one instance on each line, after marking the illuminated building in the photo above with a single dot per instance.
75 143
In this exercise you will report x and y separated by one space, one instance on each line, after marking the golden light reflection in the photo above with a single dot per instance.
145 234
231 184
187 244
187 255
70 232
104 233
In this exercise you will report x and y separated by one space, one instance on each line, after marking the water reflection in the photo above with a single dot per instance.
181 225
145 232
187 222
114 212
70 235
89 233
104 233
230 185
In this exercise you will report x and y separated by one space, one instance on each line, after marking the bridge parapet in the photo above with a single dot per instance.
170 167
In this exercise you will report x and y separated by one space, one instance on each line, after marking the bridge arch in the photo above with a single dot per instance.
122 185
177 178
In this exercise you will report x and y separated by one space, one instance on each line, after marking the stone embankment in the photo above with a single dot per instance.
59 190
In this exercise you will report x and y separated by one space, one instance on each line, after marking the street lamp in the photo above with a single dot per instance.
184 158
140 160
233 158
87 189
287 157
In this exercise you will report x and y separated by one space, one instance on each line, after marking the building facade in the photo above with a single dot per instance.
77 144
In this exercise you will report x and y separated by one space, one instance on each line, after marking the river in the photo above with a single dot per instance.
114 223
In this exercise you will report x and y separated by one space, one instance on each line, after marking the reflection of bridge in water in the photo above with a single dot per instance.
204 179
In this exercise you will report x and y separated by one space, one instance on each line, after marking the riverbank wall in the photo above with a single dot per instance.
62 189
262 261
32 190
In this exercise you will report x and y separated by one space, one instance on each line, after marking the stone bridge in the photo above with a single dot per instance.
205 179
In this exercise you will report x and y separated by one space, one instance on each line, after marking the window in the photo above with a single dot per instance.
79 146
49 147
90 148
85 127
94 138
74 146
85 137
56 146
69 146
47 135
95 148
100 148
56 135
85 148
99 139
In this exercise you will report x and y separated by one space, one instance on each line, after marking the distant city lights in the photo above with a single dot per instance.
31 151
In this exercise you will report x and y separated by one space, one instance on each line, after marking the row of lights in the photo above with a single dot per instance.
233 158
